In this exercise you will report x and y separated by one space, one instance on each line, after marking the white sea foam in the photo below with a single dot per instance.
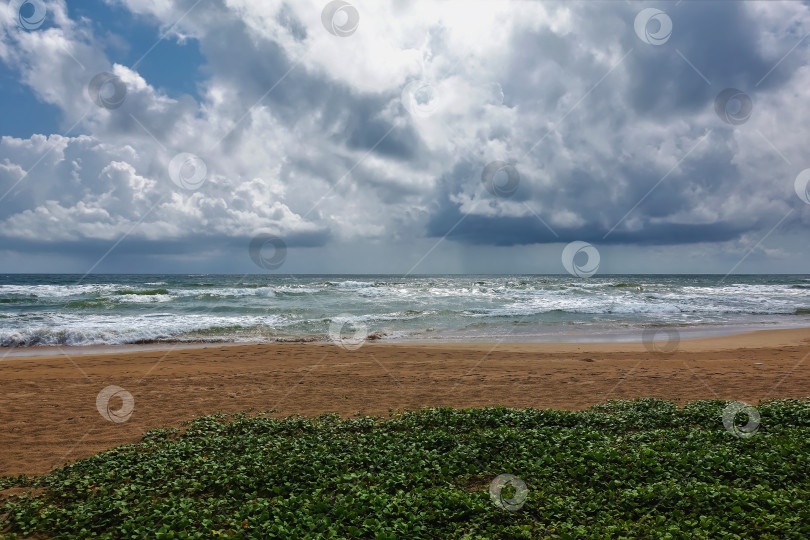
56 329
349 284
142 298
270 307
54 291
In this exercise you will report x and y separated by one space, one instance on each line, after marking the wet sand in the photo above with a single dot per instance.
49 416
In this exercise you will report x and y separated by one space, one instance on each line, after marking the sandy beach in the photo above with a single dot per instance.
49 415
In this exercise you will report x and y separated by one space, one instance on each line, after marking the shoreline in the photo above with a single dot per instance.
704 335
49 413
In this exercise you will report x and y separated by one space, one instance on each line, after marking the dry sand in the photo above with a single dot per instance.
49 417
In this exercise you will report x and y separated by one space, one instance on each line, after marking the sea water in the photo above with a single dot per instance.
40 309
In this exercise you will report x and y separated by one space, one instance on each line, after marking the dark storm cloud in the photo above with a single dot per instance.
366 133
624 187
605 210
719 39
615 140
288 19
91 250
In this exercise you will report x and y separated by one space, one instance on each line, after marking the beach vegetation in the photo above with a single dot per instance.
624 469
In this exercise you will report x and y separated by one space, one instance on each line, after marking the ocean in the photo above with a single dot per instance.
59 309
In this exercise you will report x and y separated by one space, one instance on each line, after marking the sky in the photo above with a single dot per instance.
404 137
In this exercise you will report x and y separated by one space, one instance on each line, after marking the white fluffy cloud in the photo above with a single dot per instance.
305 134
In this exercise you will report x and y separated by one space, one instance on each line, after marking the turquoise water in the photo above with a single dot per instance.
116 309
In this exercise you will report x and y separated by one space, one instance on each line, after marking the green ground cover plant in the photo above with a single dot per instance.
626 469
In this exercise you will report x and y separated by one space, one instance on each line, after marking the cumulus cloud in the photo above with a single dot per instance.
384 134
